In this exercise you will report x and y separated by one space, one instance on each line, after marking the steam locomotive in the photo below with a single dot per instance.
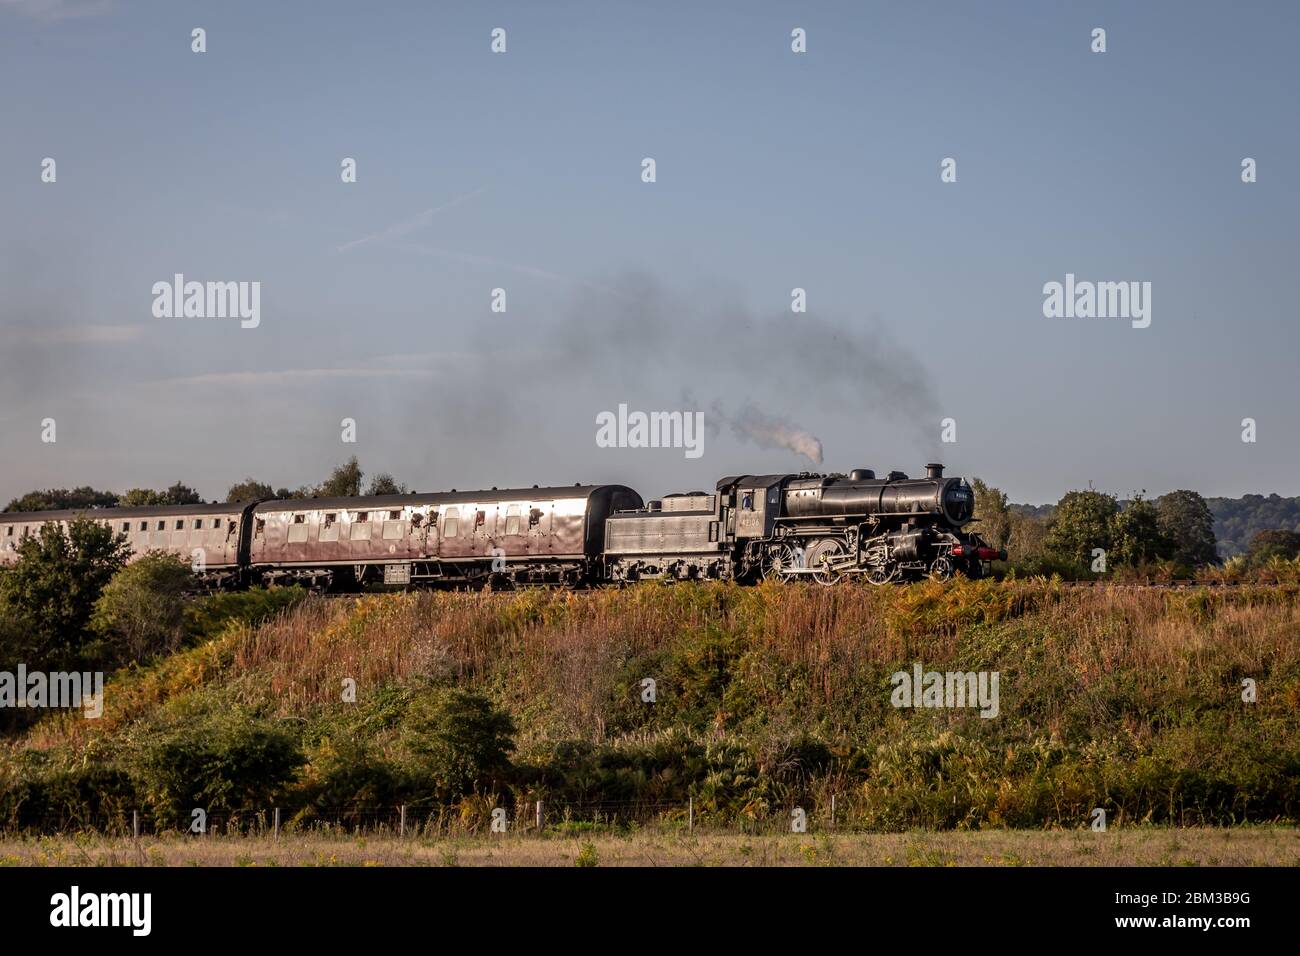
825 528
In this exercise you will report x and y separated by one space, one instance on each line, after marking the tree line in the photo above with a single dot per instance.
1091 531
343 481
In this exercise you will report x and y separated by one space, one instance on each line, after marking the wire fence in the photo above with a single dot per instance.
536 817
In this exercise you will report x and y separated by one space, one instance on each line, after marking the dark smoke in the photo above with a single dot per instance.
780 369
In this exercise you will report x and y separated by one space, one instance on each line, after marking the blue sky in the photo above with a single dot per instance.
522 171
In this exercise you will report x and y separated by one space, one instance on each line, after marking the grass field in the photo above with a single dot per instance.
1142 846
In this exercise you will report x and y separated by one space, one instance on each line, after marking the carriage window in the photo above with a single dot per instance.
298 529
144 526
534 517
162 525
198 524
10 532
480 518
417 519
180 524
392 529
512 519
451 523
330 519
329 530
261 526
360 530
362 516
394 516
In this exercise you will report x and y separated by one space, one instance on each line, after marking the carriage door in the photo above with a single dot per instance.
539 527
425 531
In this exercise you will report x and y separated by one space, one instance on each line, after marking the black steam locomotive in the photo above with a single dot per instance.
823 527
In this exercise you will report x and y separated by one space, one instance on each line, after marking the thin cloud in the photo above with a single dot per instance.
488 261
492 262
290 376
52 11
407 226
45 335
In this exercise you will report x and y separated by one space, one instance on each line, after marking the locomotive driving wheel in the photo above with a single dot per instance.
880 570
880 575
941 569
822 556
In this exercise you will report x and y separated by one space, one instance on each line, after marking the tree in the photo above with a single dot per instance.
56 499
1080 523
141 498
459 740
53 587
140 612
250 488
1188 524
177 494
384 484
1136 537
1027 537
344 481
1237 520
992 514
1266 545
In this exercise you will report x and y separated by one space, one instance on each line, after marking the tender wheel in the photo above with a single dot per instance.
942 568
822 556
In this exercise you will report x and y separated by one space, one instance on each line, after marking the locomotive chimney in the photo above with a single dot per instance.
934 471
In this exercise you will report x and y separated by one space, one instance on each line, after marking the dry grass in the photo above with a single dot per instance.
560 646
770 697
1252 846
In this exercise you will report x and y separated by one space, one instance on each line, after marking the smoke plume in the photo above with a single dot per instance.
768 431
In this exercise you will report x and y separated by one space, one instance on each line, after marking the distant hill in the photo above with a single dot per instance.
1236 520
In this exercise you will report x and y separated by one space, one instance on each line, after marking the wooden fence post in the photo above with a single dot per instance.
277 823
690 814
539 814
135 824
401 826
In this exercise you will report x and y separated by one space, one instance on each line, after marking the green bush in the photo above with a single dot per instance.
346 772
457 742
92 797
208 616
140 613
229 763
